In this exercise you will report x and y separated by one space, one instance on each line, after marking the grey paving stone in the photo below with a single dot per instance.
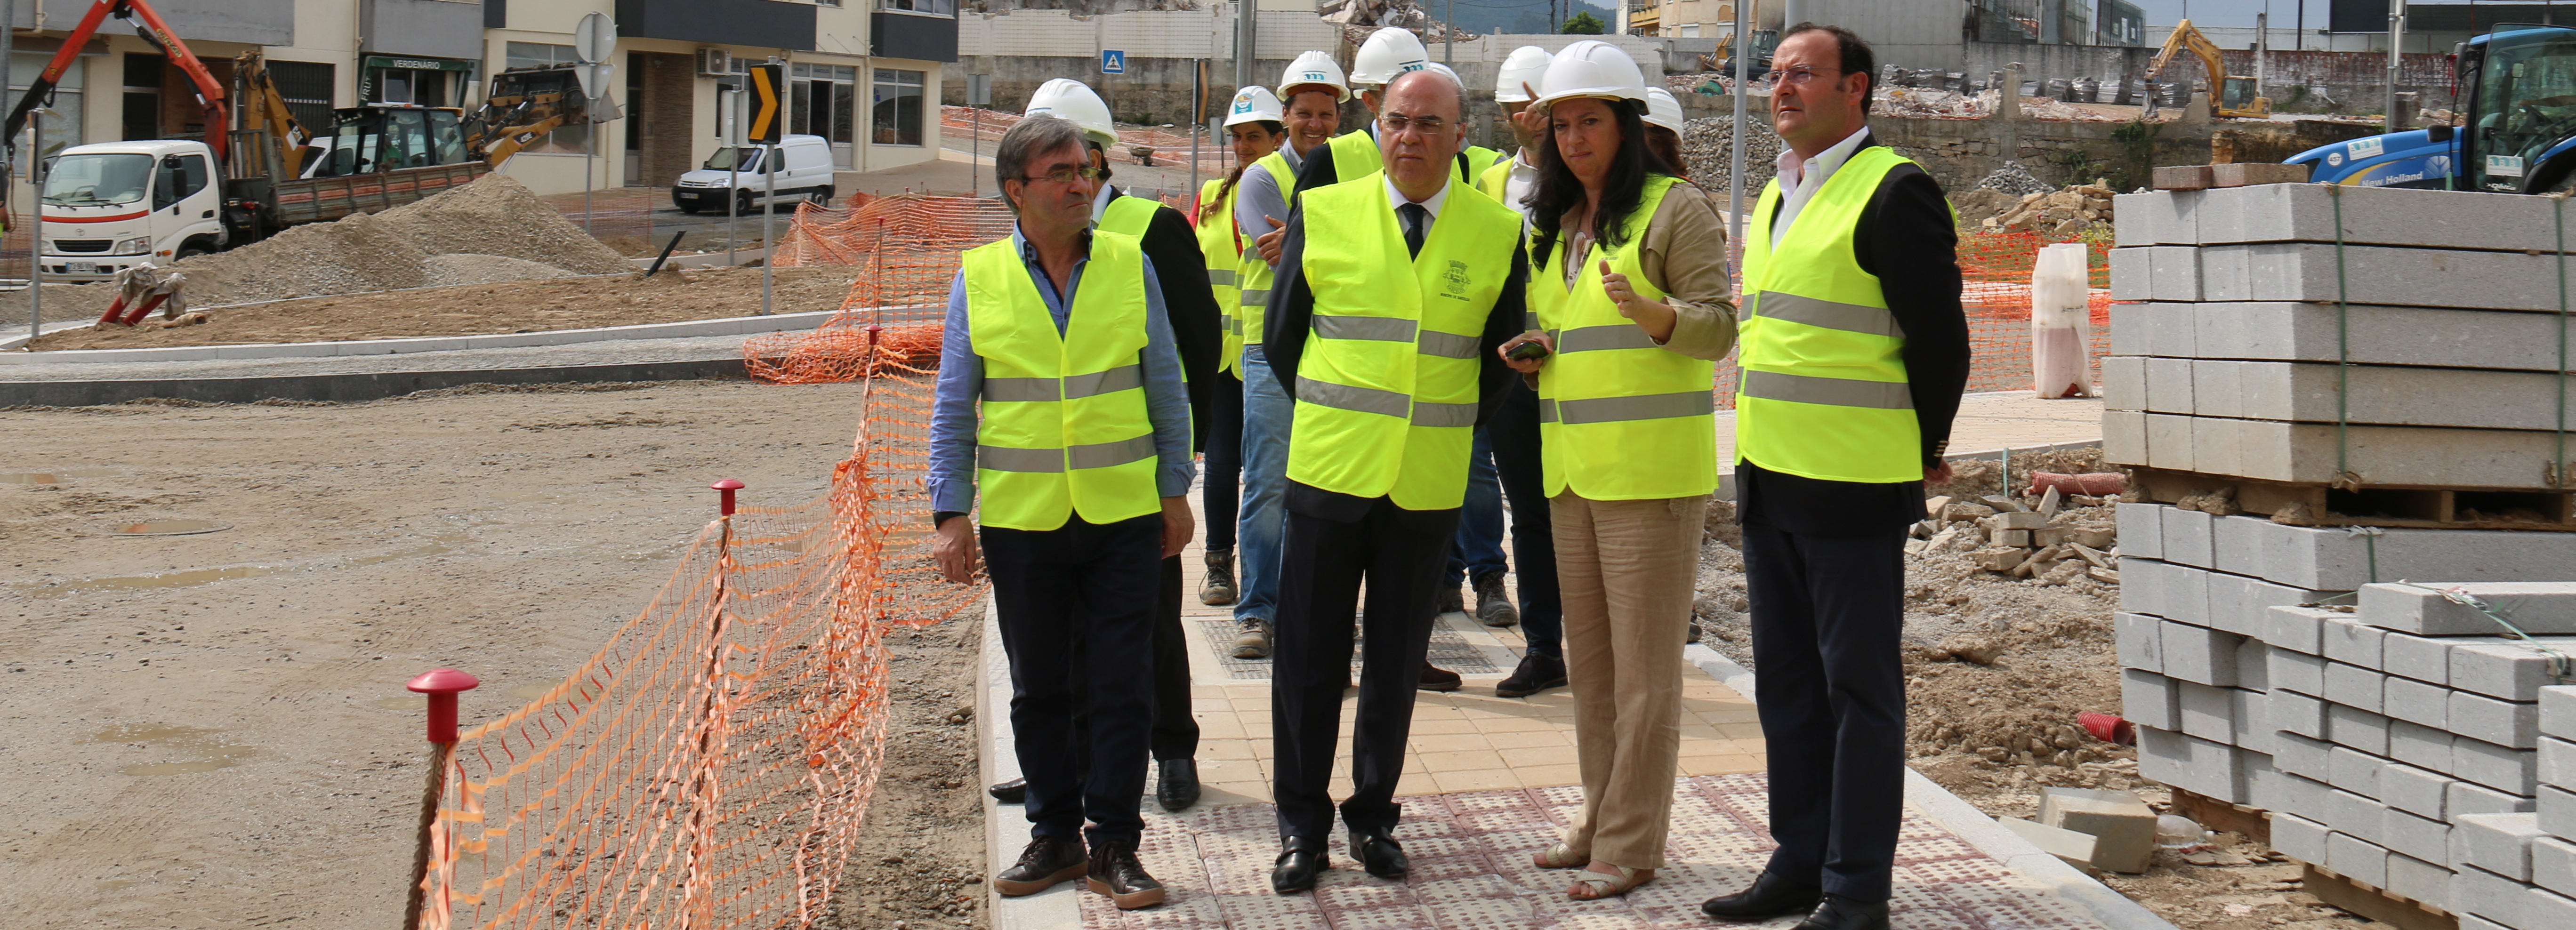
2140 640
2354 686
2254 665
2235 545
2353 770
2150 700
2537 607
2380 216
2504 723
2201 654
2292 712
2491 896
2303 796
2419 791
2375 275
2410 877
2297 629
2174 273
2503 768
2512 669
2416 702
2557 762
2553 864
2295 754
2169 388
2132 274
2557 811
2299 838
2352 642
2385 395
2558 711
2141 528
2544 908
2422 658
2308 453
2298 671
2504 340
2419 745
2356 814
2187 538
2124 437
2356 858
2207 712
2498 843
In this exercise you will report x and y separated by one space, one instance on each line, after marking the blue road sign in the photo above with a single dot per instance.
1113 61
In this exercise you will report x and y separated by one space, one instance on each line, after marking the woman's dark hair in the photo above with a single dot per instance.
1667 146
1276 129
1559 191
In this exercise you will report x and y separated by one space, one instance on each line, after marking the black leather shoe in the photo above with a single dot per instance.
1537 672
1015 791
1178 787
1771 896
1846 914
1299 862
1116 873
1380 855
1435 678
1047 861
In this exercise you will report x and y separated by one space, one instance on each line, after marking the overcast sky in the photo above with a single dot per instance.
2285 13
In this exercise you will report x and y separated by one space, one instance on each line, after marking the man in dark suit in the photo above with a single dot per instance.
1855 351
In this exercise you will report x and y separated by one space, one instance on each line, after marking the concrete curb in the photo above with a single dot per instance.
728 326
347 388
1056 908
1973 827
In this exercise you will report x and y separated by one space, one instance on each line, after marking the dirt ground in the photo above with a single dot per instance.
1997 733
211 731
674 295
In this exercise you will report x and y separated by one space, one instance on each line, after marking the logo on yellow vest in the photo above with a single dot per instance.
1455 280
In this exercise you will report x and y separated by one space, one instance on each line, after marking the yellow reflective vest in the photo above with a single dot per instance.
1065 429
1222 245
1620 417
1823 393
1386 386
1356 153
1253 276
1129 214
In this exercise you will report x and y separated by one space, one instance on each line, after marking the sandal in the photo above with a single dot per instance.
1561 856
1595 889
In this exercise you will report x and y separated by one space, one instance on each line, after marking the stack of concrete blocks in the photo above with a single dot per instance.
2227 364
2517 871
2367 733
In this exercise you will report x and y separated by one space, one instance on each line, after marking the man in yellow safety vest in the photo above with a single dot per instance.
1384 334
1854 350
1060 396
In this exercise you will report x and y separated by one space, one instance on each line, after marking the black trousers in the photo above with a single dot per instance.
1221 476
1513 433
1400 554
1176 730
1078 626
1831 693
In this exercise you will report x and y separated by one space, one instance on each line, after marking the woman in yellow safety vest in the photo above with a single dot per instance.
1256 126
1633 304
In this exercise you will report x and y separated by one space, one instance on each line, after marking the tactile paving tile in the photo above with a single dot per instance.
1472 871
1449 650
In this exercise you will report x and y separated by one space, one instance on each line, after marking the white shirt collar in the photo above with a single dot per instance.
1396 197
1793 172
1100 203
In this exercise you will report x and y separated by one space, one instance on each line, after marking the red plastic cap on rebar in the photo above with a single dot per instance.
442 686
724 491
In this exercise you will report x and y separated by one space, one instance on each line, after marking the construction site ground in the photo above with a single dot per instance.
211 730
673 295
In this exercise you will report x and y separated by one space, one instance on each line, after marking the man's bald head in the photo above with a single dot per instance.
1435 83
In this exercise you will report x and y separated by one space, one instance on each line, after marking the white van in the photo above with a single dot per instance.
803 163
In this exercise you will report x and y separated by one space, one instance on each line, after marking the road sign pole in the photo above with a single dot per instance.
772 134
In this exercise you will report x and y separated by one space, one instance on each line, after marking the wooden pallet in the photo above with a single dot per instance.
2422 507
2376 904
2249 822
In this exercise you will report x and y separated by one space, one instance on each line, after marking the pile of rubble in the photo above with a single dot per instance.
1358 18
1931 102
2054 540
1707 147
2059 213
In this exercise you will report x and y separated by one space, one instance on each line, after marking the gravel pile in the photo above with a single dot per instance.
494 217
2016 180
1707 146
469 268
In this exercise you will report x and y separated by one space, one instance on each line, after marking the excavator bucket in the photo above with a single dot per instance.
522 105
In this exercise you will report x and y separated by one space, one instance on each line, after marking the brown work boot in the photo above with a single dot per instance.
1047 861
1252 639
1435 678
1217 589
1116 873
1493 607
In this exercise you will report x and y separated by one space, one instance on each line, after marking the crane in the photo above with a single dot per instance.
210 92
2232 94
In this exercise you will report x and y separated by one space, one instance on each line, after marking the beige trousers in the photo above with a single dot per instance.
1628 570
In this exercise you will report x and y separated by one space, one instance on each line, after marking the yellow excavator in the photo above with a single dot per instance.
2235 92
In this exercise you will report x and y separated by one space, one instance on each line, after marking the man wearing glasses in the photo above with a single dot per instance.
1855 351
1081 449
1394 291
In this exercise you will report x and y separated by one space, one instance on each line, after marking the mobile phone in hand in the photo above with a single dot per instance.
1527 351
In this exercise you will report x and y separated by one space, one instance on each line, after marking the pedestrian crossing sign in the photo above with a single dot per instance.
1113 61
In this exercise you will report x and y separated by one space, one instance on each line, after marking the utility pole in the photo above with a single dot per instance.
1735 144
1247 35
1449 44
2262 48
2396 40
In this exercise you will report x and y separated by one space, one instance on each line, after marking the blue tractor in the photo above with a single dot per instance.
2518 92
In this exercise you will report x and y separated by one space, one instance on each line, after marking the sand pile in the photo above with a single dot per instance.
470 268
494 217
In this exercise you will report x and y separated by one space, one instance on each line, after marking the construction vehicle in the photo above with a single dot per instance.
2235 93
2515 131
108 206
1764 40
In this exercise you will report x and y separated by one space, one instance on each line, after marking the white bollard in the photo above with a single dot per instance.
2061 323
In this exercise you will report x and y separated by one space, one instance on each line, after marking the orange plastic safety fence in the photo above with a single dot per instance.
1170 148
711 765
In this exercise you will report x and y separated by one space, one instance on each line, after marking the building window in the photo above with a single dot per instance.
898 107
63 126
933 7
569 139
822 101
306 87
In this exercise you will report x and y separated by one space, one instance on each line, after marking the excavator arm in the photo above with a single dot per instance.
2187 37
147 23
522 105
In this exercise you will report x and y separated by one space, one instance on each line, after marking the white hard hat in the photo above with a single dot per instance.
1387 53
1445 69
1314 68
1663 109
1256 104
1592 68
1527 65
1074 101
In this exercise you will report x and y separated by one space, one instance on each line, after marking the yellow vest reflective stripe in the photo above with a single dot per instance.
1065 429
1386 387
1253 276
1128 214
1823 394
1222 246
1620 418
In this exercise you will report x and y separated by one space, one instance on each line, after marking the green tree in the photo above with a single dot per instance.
1583 24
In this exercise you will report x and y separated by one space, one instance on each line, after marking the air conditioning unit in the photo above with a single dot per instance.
715 62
